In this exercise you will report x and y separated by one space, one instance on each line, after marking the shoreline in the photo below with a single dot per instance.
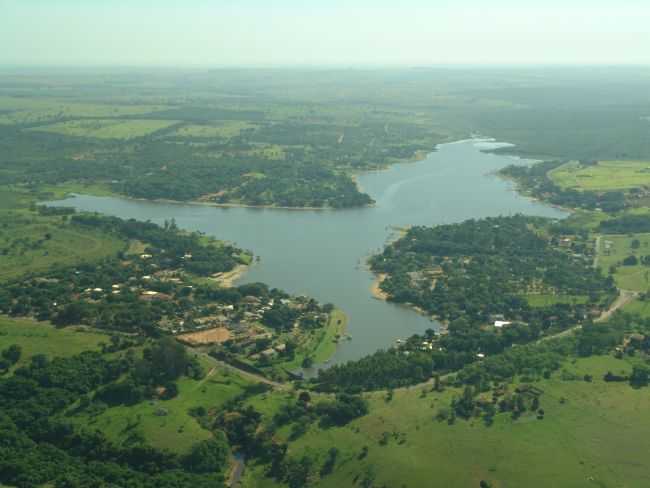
228 279
375 287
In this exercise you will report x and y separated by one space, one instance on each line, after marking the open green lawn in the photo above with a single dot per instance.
176 430
43 338
599 436
614 249
107 128
606 175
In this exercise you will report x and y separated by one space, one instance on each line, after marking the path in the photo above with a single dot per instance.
597 250
246 374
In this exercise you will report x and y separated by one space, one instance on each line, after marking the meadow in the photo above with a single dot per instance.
43 338
593 434
614 249
33 243
37 110
168 424
106 128
217 129
604 176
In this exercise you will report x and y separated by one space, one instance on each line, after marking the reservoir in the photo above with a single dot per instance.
323 253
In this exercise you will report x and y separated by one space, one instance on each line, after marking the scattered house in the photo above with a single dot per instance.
281 348
146 256
269 353
501 323
480 355
97 290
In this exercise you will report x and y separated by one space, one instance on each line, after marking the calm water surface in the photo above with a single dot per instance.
322 253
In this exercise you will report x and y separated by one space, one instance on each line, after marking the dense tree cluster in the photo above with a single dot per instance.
480 268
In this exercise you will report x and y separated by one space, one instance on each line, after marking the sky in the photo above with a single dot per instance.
220 33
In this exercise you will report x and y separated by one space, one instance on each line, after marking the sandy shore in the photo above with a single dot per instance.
228 279
375 288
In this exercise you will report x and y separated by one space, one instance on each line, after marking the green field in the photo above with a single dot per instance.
35 252
23 110
614 249
106 128
42 338
606 175
546 300
176 430
219 129
638 306
598 436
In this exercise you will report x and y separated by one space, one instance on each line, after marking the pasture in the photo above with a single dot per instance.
593 434
106 128
24 110
43 338
604 176
614 249
32 243
225 129
168 424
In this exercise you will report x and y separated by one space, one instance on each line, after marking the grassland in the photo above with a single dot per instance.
168 424
606 175
32 110
614 249
31 243
219 129
42 338
593 434
106 128
546 300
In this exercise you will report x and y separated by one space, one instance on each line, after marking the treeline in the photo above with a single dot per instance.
626 224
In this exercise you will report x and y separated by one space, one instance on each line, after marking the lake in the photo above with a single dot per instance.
323 253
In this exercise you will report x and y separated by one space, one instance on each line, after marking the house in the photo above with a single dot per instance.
501 323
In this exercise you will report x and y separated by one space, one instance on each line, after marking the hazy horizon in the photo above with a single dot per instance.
357 33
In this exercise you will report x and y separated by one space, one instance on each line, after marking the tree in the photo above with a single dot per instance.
208 456
639 377
12 353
